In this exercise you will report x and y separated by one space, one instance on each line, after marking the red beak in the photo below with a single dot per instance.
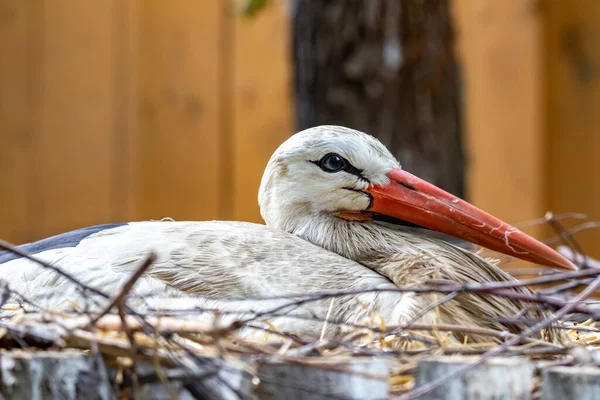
414 200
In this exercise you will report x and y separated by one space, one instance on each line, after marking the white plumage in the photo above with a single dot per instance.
233 260
320 236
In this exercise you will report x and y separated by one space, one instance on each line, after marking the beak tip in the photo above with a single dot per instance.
569 265
558 260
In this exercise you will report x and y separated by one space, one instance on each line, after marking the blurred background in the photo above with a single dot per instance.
119 110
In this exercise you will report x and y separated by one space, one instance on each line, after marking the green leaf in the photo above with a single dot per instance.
252 7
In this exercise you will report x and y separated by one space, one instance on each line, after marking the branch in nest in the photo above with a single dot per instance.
115 347
568 307
127 286
15 250
37 334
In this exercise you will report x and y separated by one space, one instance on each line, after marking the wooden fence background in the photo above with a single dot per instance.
122 110
125 110
532 108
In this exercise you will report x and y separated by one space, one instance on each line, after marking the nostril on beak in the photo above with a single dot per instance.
407 185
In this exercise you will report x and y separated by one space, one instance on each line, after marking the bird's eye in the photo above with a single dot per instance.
332 163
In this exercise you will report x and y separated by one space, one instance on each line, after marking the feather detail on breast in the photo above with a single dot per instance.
440 261
236 259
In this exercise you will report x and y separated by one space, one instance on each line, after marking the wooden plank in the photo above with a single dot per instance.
573 79
357 379
74 148
126 139
499 378
72 374
17 114
214 379
52 375
180 109
581 383
500 44
261 96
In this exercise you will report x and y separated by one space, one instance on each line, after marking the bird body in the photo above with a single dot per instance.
212 264
323 195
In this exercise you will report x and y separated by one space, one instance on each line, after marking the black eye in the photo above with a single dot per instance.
332 163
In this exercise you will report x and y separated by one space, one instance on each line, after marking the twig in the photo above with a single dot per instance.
469 329
428 287
542 220
430 307
23 299
125 327
169 325
44 334
503 347
15 250
85 288
114 347
326 318
548 301
564 287
489 288
572 231
564 235
127 286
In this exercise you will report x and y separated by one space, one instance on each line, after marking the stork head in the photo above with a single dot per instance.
333 173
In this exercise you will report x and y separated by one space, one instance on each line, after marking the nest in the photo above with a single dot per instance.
176 346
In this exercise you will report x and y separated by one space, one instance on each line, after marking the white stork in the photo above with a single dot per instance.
323 196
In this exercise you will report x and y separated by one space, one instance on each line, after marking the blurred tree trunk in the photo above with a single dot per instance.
385 67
